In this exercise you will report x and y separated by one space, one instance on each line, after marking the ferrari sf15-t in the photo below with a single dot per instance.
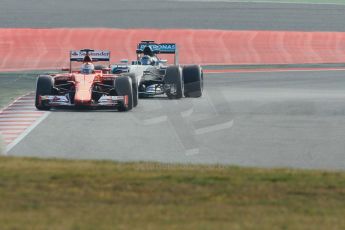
87 87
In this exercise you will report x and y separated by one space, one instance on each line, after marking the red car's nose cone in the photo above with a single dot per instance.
83 93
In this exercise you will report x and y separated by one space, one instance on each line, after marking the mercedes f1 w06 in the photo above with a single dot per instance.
87 87
155 77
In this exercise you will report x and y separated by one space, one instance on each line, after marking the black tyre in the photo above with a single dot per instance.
173 78
193 81
44 86
134 87
123 87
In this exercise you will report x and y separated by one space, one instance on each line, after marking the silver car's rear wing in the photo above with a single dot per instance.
158 48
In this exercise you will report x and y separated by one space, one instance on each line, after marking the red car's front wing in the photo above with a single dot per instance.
62 101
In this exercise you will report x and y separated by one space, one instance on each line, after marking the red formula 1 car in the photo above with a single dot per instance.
87 87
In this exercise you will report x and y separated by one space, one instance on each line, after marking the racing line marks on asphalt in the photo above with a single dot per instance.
214 128
18 119
187 113
155 120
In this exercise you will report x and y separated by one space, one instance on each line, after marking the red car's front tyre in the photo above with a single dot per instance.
44 86
123 87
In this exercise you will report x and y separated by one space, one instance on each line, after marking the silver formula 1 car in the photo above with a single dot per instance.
155 77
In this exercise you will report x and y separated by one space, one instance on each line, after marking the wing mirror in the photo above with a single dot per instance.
65 69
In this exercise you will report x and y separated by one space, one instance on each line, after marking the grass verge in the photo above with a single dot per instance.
14 85
59 194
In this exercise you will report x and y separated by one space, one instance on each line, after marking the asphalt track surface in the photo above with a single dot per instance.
171 14
277 119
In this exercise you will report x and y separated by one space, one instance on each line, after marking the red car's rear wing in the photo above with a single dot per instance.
95 55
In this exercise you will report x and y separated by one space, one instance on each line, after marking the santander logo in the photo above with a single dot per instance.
96 53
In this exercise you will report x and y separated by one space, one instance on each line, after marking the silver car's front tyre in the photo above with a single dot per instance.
173 79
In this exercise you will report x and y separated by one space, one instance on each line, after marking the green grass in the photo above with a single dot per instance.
14 85
58 194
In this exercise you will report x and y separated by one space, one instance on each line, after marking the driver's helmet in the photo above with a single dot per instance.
87 68
146 60
148 51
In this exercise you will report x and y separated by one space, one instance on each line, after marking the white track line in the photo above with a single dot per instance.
26 132
26 115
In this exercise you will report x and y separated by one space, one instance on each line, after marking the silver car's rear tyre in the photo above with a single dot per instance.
193 81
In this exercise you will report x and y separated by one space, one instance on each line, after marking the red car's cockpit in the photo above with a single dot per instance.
87 68
88 57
